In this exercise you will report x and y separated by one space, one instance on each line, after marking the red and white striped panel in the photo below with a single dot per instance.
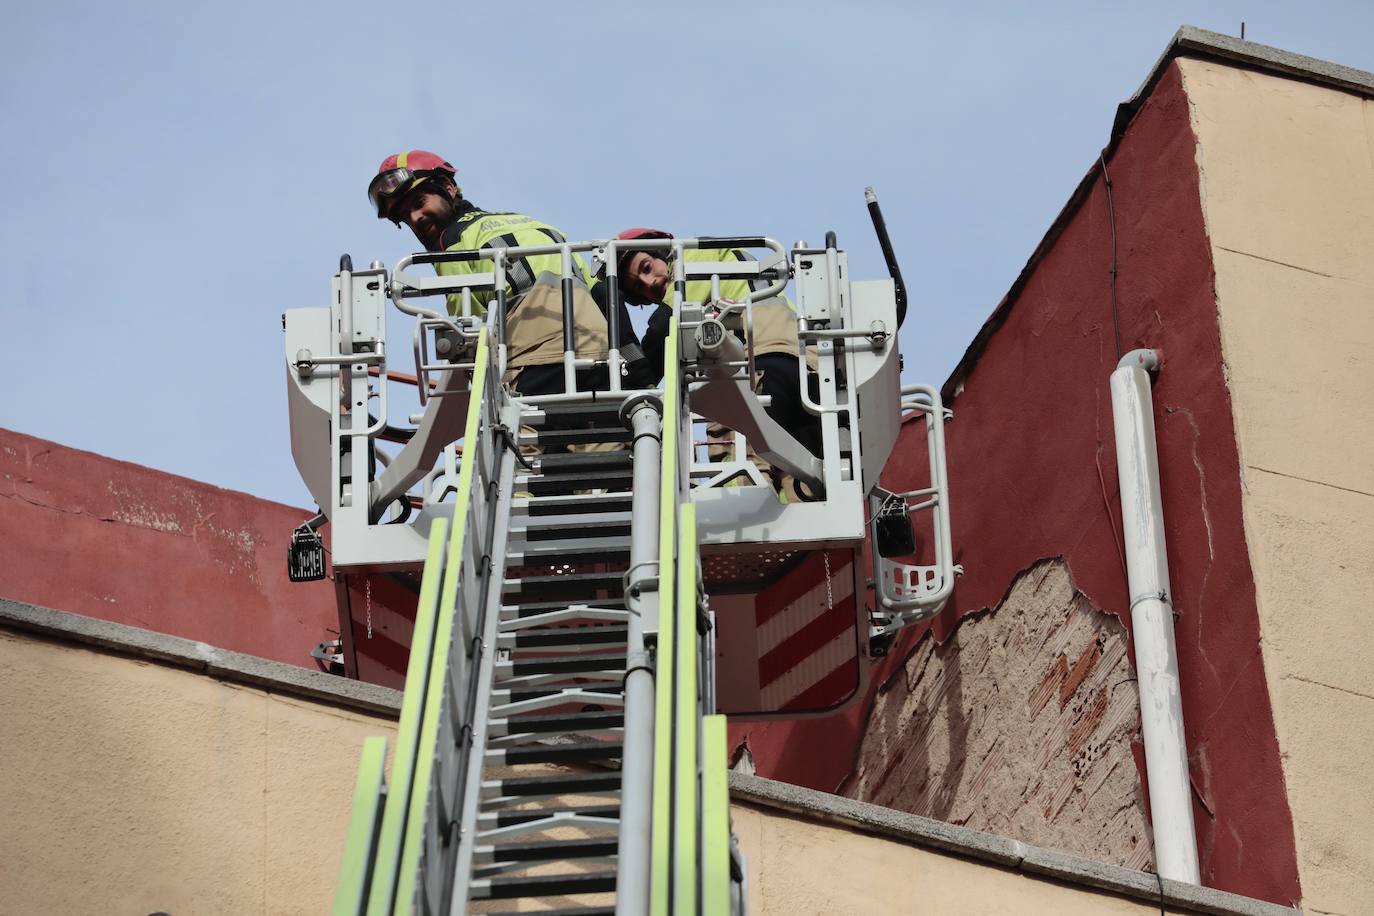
807 648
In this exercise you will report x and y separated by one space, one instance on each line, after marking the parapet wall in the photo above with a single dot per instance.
149 773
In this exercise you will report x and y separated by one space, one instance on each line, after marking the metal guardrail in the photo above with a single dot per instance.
909 594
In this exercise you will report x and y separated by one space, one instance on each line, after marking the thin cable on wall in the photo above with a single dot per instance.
1111 217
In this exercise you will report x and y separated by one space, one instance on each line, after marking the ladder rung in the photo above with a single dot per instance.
527 609
559 506
546 850
578 585
606 413
558 723
502 697
560 753
580 435
581 462
563 614
600 549
561 664
544 527
586 480
558 784
563 911
491 820
543 886
565 636
567 679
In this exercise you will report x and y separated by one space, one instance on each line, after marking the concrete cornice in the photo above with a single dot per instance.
1190 41
277 677
997 850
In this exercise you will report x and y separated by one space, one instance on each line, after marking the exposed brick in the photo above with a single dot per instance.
968 733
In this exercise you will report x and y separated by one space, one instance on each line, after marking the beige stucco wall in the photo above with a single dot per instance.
133 787
1287 174
801 868
136 787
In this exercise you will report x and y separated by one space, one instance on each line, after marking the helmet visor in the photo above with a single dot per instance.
387 186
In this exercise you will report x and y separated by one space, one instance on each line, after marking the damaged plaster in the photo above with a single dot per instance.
1021 724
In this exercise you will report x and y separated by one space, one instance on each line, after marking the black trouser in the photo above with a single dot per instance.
778 380
548 379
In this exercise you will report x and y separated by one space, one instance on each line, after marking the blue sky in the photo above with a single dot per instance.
179 174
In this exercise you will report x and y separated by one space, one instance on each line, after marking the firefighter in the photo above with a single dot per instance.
419 188
645 279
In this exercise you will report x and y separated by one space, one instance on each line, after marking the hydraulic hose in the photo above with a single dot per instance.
880 227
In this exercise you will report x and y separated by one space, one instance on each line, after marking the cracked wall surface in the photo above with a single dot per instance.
1021 723
1288 177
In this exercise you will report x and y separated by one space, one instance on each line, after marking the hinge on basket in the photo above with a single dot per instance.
329 656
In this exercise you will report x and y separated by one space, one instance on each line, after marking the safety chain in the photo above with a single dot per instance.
829 592
368 589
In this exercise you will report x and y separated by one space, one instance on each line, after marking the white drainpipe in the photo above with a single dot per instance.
1152 621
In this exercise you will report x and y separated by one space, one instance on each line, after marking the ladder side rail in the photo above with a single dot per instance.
469 659
360 844
484 651
642 601
715 817
425 680
459 721
687 720
387 857
488 453
670 489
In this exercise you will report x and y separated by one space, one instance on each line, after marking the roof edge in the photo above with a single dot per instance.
236 667
1191 41
1188 41
965 842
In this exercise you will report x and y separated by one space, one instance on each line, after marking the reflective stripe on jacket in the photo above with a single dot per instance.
534 323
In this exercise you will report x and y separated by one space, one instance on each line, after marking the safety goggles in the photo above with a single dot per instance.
384 189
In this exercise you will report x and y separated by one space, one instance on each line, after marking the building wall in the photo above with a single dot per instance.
1288 192
798 867
138 787
1033 476
84 533
135 787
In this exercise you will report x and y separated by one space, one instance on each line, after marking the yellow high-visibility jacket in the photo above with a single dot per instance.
775 320
534 324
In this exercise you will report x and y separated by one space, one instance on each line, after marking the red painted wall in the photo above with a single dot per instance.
83 533
1033 475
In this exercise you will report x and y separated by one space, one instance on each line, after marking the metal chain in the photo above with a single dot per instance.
829 592
368 589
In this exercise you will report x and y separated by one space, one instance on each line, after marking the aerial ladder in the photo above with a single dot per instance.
559 746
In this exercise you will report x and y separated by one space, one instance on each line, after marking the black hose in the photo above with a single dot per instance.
884 242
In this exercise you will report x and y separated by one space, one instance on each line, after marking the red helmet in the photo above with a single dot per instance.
402 172
630 235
